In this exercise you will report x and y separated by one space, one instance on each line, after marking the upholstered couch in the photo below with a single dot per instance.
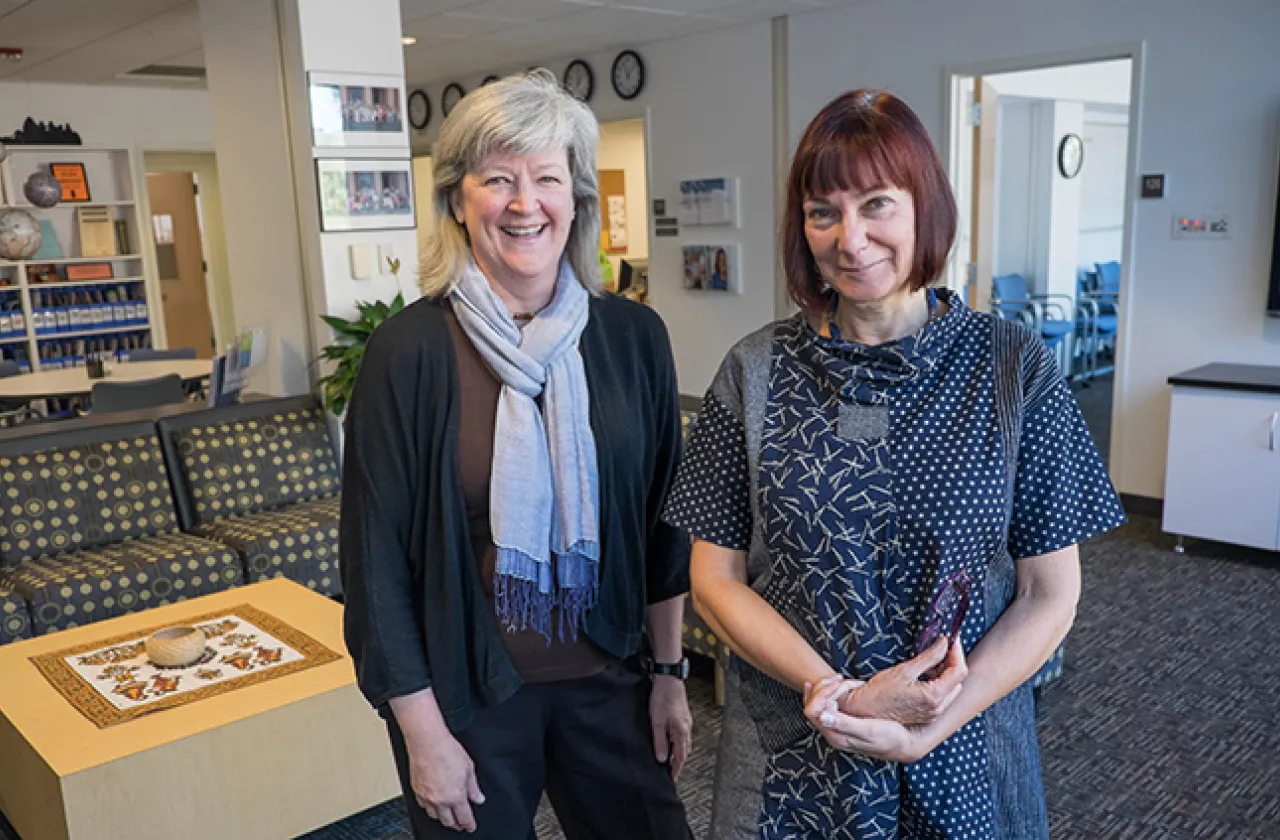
88 530
105 516
262 478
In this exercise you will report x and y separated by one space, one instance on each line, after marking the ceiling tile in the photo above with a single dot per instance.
748 11
418 9
525 11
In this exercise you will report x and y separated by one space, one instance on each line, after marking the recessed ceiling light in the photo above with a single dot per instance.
408 40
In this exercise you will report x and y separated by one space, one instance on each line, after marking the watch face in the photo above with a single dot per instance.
419 110
1070 155
451 97
579 80
628 74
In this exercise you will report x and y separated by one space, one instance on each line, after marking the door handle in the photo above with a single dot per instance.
1271 433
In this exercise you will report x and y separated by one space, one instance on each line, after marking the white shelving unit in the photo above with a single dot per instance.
115 181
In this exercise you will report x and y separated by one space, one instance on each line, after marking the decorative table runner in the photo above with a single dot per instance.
113 680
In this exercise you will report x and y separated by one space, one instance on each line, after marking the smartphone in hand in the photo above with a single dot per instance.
946 611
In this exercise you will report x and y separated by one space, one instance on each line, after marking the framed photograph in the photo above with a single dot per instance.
74 181
711 268
365 194
353 111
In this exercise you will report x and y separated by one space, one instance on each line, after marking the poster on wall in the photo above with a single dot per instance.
617 210
350 110
709 201
711 268
365 194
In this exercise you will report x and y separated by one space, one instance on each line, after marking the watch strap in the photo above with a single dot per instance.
679 670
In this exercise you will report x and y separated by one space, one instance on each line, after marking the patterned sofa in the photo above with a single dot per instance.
88 530
262 478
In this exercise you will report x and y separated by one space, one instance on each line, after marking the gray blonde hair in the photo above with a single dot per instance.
518 115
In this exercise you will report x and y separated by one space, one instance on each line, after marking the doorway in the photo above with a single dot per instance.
1042 163
186 229
623 173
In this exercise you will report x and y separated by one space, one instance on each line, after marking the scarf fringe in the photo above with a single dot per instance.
525 600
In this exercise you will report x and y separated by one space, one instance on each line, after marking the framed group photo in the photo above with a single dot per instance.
351 111
365 194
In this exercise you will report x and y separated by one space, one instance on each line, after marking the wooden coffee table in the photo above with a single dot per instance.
272 760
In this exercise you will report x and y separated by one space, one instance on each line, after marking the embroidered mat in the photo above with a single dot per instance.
112 680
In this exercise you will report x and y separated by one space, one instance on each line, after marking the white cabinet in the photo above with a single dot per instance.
1223 471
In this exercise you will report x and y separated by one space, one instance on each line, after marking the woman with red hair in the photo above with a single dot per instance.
886 493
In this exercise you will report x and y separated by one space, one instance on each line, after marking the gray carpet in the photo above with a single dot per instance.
1163 726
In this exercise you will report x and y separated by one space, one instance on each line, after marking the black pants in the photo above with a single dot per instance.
586 742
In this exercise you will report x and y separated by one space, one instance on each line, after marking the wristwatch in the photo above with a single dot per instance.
679 670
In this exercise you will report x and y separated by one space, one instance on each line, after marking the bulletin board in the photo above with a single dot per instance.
614 232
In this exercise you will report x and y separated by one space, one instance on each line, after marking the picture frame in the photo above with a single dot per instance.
74 180
365 194
712 268
357 110
709 201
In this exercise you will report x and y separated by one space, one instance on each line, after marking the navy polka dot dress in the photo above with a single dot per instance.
858 478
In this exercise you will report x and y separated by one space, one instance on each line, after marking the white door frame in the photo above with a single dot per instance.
1134 51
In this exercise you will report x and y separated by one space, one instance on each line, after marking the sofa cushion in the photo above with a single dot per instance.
15 620
86 586
253 463
299 542
61 498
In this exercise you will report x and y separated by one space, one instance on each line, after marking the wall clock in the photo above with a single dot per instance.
1070 155
453 94
628 74
488 80
419 109
579 80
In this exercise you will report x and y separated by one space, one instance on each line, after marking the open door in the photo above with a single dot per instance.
986 116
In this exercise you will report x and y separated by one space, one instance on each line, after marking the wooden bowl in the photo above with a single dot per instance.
174 647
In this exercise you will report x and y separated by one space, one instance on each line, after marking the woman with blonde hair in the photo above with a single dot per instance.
510 442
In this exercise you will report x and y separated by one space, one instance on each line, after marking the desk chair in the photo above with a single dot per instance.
107 397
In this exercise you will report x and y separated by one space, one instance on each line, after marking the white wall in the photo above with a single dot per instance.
1015 206
1102 183
708 105
152 119
1106 82
1213 131
622 147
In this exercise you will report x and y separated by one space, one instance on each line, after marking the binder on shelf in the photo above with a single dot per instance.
97 233
122 237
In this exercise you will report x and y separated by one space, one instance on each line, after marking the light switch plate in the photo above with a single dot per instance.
361 261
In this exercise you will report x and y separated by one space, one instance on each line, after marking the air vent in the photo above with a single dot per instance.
167 72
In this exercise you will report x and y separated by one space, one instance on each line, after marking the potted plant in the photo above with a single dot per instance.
350 338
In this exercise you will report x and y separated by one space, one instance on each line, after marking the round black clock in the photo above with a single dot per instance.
451 96
488 80
628 74
419 109
579 80
1070 155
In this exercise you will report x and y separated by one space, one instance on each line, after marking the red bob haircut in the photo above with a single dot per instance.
864 140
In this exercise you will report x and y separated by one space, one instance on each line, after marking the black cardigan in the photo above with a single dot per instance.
416 615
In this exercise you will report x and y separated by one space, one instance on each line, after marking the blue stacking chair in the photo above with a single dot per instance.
1105 299
1052 316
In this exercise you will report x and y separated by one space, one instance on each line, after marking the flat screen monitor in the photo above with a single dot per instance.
626 275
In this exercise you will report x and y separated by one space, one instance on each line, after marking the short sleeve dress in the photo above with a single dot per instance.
858 478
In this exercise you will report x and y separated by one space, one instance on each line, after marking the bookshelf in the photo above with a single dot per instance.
49 320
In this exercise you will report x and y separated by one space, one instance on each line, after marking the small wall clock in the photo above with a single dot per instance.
579 80
628 74
451 96
1070 155
419 109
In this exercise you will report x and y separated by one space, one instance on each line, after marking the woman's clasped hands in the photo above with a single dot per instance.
894 715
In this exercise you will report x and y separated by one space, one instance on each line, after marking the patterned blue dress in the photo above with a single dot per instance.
857 478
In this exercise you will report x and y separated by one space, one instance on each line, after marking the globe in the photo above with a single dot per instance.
20 235
42 189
